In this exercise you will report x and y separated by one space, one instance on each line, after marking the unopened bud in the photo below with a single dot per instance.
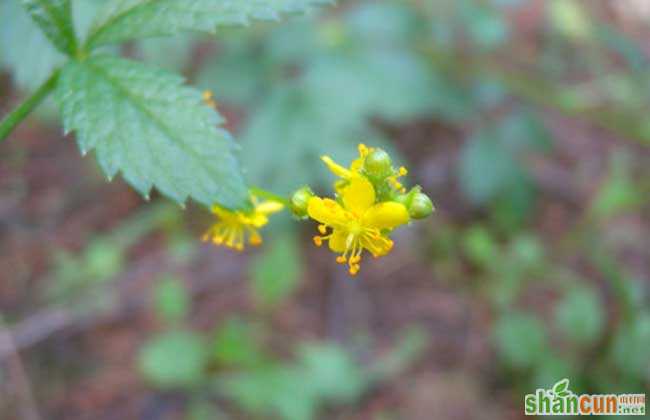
300 200
420 206
378 164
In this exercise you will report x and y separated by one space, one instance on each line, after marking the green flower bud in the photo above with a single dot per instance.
404 199
420 206
299 201
378 164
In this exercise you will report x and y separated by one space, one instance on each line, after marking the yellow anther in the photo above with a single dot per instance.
341 259
322 229
318 241
403 171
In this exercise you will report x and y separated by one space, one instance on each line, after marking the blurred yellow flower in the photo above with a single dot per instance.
208 99
232 228
358 224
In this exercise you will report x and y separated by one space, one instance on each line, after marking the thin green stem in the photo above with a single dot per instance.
262 193
11 120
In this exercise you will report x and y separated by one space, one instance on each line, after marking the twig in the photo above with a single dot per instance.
28 408
48 322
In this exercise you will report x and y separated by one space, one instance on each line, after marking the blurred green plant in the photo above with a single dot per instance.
276 271
82 281
234 362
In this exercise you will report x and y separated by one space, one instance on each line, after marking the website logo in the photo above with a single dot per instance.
561 401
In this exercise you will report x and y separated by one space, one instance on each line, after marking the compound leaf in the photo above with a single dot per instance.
146 123
54 17
122 20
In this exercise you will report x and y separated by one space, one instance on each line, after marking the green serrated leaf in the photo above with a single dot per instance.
123 20
54 17
144 122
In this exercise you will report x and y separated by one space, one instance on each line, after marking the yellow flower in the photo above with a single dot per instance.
357 165
358 224
232 227
394 183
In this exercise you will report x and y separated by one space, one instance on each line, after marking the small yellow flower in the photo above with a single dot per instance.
355 166
208 99
234 227
394 183
358 224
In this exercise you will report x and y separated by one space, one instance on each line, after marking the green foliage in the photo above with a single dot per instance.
618 193
630 348
162 136
550 367
240 367
486 169
79 278
144 122
171 299
54 17
491 163
331 372
278 390
275 272
123 20
32 60
235 344
521 339
411 344
479 246
341 76
580 317
174 359
323 373
570 18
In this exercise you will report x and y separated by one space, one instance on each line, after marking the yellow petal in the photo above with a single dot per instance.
268 207
357 164
258 220
386 215
336 169
359 195
338 241
326 211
